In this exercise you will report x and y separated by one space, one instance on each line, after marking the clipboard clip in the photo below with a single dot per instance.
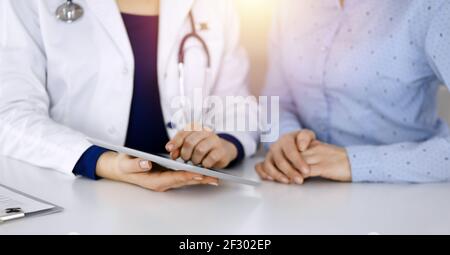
12 214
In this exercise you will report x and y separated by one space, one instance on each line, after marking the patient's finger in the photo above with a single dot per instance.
291 152
312 159
260 170
285 166
274 172
304 139
313 150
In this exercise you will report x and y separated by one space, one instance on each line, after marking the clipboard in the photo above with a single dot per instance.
16 212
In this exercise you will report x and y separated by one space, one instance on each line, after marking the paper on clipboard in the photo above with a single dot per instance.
27 205
10 199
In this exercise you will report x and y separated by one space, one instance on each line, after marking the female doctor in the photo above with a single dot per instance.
110 70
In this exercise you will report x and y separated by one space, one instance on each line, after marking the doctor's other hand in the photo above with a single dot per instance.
202 147
123 168
328 161
284 162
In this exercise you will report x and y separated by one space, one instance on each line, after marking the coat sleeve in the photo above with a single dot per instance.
233 81
27 132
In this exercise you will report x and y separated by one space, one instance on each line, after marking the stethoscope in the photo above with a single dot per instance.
70 12
193 35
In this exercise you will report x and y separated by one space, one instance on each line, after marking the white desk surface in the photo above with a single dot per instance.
318 207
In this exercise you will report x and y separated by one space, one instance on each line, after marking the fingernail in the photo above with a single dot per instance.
298 180
144 164
198 178
285 180
270 178
169 147
214 184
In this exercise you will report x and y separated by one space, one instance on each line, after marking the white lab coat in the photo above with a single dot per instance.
61 83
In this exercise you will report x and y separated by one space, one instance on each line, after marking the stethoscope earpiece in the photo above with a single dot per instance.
69 12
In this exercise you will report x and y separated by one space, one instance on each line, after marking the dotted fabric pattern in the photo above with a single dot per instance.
365 77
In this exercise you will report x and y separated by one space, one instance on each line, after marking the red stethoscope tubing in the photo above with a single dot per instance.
195 36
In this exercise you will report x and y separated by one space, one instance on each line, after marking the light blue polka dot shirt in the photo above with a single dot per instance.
366 77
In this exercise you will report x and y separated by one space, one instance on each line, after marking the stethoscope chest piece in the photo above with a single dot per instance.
69 12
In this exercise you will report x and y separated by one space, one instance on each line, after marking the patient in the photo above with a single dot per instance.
357 82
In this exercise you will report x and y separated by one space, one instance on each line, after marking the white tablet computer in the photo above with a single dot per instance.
176 165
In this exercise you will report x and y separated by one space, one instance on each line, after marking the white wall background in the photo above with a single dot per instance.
256 16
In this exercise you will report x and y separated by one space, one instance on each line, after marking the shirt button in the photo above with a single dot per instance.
125 71
324 48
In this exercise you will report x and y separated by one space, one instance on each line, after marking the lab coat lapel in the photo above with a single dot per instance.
108 14
173 15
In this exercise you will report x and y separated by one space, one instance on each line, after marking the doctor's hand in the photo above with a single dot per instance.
123 168
202 147
284 162
328 161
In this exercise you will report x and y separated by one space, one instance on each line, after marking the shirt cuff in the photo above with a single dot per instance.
87 164
238 145
365 164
